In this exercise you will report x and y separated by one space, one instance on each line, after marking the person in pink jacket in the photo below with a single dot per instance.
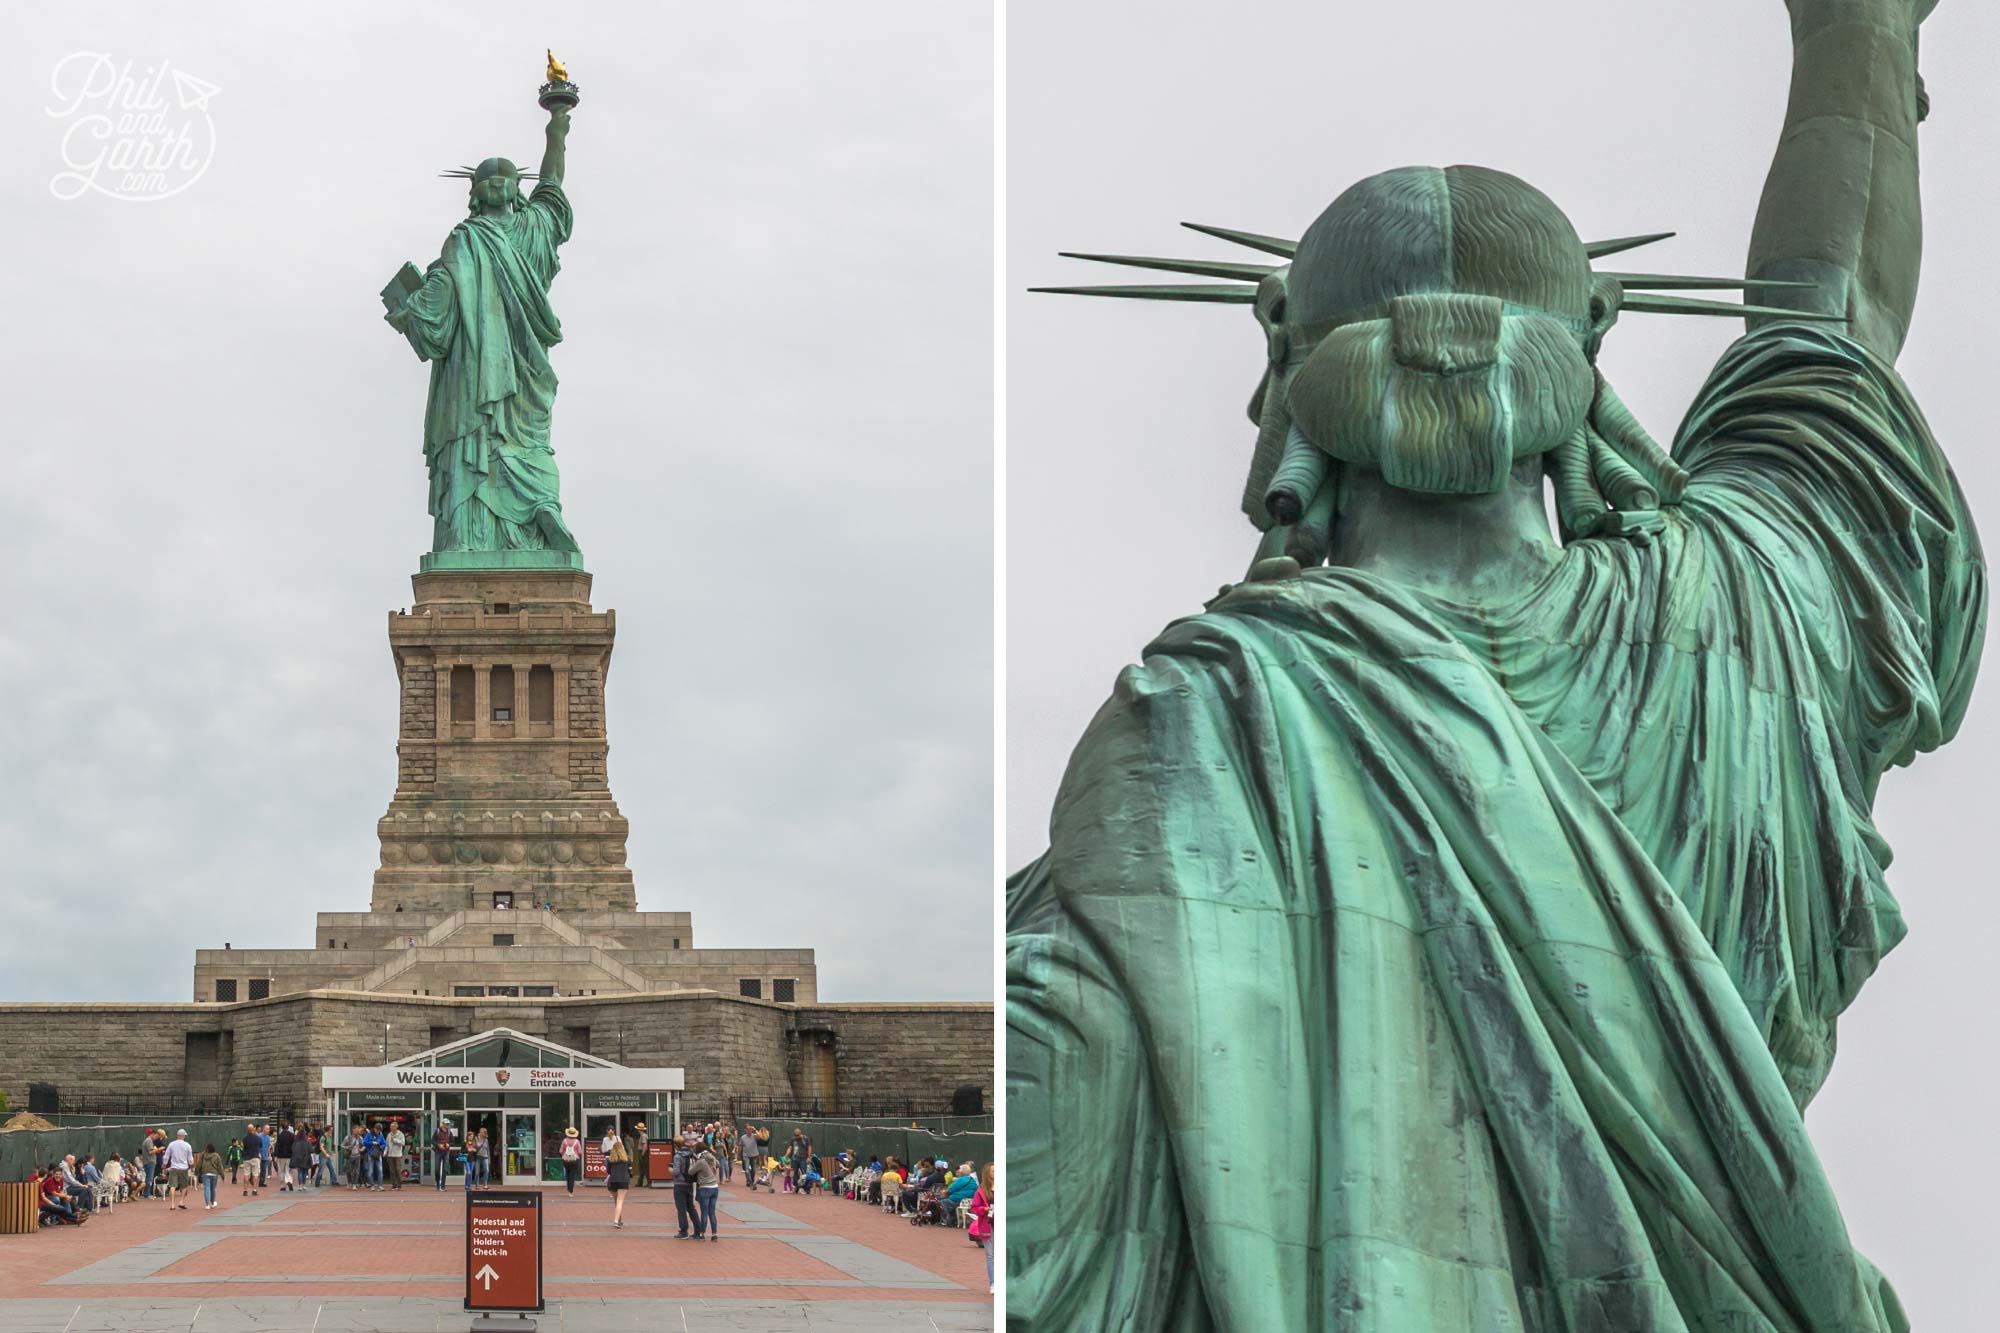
985 1219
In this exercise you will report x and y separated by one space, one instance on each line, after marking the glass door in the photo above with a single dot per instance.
522 1156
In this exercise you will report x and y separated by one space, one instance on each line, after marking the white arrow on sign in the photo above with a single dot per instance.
485 1277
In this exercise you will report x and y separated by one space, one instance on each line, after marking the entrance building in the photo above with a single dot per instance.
523 1091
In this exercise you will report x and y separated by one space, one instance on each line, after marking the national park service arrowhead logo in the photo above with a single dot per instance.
500 1076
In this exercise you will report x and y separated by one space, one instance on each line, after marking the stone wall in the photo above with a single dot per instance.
268 1053
918 1054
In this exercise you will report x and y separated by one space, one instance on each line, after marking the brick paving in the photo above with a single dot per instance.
782 1257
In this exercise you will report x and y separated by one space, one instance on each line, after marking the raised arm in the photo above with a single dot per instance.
557 135
1840 207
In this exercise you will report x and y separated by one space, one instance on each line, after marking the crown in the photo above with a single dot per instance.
468 173
1642 289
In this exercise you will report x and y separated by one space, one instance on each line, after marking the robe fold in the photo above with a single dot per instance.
482 319
1399 966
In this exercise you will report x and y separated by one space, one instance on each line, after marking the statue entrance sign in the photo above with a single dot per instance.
1447 929
481 316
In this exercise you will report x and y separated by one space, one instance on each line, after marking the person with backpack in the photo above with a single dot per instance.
209 1167
323 1156
372 1144
571 1152
684 1205
707 1184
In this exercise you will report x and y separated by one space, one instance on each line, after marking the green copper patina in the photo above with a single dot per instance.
1447 929
481 316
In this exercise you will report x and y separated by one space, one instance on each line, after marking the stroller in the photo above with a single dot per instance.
930 1209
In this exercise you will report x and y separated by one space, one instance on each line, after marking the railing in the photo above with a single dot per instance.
147 1109
771 1109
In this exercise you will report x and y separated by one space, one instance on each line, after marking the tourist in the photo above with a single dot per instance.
441 1152
251 1156
725 1148
73 1186
617 1174
372 1143
488 1152
281 1154
985 1219
890 1186
707 1184
392 1153
963 1186
48 1183
180 1168
302 1157
798 1157
233 1155
684 1202
323 1157
748 1145
357 1155
264 1141
209 1168
114 1176
571 1152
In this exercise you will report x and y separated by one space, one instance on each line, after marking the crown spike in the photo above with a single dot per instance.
1228 293
1687 305
1270 245
1199 267
1680 282
1599 249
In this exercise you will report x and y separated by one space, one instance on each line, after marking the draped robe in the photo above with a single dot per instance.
482 319
1399 966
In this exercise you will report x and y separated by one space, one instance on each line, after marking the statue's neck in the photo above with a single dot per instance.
1467 548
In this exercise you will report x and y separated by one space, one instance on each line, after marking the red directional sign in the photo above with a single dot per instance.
660 1162
503 1250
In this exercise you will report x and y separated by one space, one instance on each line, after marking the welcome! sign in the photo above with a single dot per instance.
503 1250
421 1078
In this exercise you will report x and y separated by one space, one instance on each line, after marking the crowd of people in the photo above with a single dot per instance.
71 1189
167 1168
374 1155
929 1193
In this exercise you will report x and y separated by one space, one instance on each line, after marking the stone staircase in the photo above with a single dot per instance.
440 936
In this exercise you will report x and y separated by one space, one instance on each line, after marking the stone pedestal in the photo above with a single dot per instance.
501 786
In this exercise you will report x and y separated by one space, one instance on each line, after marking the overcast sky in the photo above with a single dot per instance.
1128 442
774 432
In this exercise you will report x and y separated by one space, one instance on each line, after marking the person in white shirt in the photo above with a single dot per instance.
180 1168
392 1154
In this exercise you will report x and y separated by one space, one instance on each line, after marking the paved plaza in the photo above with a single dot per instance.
338 1261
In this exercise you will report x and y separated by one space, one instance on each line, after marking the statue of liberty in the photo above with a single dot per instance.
481 316
1446 930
